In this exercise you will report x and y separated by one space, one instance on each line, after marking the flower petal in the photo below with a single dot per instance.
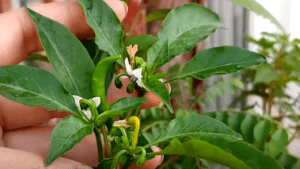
97 101
77 99
141 84
88 113
138 73
121 123
128 67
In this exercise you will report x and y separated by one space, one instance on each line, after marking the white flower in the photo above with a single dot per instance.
136 73
120 123
87 112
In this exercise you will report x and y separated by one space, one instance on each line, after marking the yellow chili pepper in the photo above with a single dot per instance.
134 121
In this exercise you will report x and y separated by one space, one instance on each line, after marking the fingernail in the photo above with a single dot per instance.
125 6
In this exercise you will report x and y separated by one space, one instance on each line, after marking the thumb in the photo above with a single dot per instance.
16 159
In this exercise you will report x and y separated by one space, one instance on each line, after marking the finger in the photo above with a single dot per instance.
14 115
114 94
18 32
1 139
16 159
36 140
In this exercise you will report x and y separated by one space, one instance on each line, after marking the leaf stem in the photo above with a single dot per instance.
170 80
99 145
104 132
137 112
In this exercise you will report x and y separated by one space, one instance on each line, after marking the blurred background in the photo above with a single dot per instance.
270 92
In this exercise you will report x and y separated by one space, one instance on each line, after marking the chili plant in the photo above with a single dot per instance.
79 86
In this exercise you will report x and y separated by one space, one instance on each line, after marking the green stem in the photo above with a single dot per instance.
170 80
99 145
137 112
104 132
153 154
127 164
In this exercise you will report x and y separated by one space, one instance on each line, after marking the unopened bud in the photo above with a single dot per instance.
130 88
118 83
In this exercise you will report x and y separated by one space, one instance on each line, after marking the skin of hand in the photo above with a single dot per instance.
24 141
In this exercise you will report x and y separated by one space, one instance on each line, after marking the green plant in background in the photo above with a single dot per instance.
263 132
269 82
82 92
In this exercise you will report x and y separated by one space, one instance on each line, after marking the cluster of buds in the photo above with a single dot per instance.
134 70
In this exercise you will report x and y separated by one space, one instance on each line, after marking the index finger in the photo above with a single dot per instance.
18 32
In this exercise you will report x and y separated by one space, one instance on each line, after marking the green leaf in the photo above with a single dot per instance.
288 161
220 90
259 10
37 57
158 14
222 117
158 76
261 132
105 163
128 103
238 83
144 42
247 127
219 60
202 149
35 87
278 142
235 121
95 53
68 132
211 97
174 69
265 74
161 91
68 57
106 25
183 28
197 127
225 151
245 152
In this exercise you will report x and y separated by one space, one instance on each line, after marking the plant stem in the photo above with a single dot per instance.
137 112
99 145
104 132
127 164
170 80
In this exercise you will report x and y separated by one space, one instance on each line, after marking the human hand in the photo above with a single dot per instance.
24 143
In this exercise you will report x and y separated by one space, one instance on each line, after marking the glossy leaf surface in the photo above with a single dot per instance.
68 132
219 60
128 103
197 127
68 57
35 87
158 14
278 142
181 31
106 25
144 42
161 91
261 132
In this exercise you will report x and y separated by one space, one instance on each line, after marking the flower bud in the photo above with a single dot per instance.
141 160
130 88
118 83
